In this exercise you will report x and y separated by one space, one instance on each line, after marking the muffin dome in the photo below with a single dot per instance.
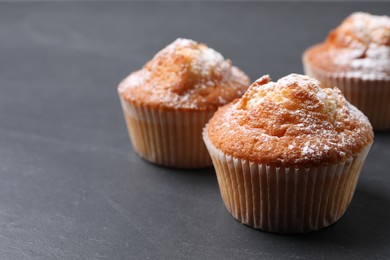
293 121
186 75
359 47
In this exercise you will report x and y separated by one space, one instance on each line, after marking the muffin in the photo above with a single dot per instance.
167 103
288 154
356 58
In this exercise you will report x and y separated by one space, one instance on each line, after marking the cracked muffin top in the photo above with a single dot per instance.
185 75
359 47
293 121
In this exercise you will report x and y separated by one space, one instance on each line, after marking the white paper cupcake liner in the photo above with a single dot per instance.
369 95
285 199
169 138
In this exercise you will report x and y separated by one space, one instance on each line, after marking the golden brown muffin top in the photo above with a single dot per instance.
291 122
359 47
185 75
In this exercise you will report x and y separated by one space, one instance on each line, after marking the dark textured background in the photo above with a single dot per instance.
71 187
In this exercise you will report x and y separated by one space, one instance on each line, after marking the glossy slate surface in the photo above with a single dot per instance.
71 187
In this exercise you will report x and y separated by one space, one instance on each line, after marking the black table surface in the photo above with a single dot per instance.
71 186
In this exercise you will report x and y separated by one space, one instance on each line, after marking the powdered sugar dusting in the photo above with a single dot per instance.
205 61
186 74
362 44
293 120
307 150
368 28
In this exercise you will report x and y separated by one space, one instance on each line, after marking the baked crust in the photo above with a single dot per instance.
359 47
293 122
185 75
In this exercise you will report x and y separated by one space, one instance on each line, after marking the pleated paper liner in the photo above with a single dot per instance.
168 138
285 199
369 95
